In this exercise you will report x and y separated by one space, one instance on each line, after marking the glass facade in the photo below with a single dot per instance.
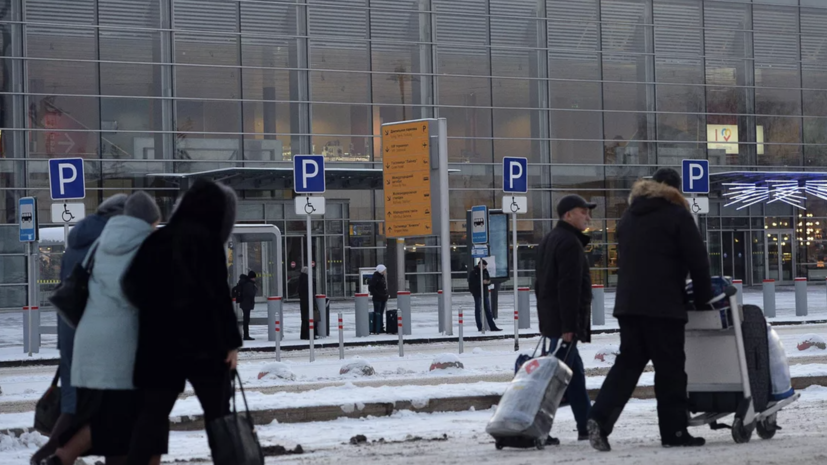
596 93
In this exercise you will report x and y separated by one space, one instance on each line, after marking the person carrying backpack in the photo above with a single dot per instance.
378 288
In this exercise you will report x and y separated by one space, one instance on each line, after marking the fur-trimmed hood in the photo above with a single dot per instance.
646 188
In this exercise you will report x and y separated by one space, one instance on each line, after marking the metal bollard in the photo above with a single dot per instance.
441 311
403 304
400 330
800 296
341 338
31 316
278 339
322 326
598 305
769 298
460 331
524 309
739 284
273 314
362 317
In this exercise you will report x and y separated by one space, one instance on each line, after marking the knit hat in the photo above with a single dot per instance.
668 176
140 205
112 206
251 275
381 268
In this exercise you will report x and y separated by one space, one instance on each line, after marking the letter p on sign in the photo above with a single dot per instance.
515 174
66 178
695 176
308 174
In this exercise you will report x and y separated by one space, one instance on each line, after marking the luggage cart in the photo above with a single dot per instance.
728 374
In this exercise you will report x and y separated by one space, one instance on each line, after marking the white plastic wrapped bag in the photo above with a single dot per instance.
779 367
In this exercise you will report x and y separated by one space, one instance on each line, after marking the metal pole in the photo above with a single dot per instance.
65 236
31 297
310 288
445 224
514 282
460 331
598 305
278 338
401 332
800 296
341 338
769 298
483 313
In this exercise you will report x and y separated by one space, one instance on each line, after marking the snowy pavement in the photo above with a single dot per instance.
424 322
450 438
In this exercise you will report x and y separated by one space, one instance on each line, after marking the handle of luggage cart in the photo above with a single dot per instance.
546 352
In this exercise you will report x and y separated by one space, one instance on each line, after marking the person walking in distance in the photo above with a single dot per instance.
658 245
81 238
247 294
564 296
480 293
188 330
304 304
378 288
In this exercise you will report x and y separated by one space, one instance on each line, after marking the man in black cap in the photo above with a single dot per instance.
480 292
564 297
658 245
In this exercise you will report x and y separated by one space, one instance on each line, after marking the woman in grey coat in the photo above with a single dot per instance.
105 342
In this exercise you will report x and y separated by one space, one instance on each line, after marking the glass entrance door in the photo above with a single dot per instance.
780 261
733 254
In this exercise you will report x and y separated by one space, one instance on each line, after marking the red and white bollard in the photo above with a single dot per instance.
400 330
460 331
341 338
311 330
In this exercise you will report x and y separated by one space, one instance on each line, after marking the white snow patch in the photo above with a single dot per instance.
446 362
348 408
607 354
420 403
358 367
478 350
276 371
10 442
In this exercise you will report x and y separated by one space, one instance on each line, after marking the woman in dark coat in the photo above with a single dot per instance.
187 327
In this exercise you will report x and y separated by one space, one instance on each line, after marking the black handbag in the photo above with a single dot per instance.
70 296
233 438
47 409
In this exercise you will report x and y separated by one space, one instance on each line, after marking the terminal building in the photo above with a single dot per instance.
154 94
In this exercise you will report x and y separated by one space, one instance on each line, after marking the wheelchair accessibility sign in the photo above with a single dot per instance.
698 205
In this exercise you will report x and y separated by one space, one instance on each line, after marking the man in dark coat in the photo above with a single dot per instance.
480 293
247 291
304 304
658 245
378 288
564 297
81 238
188 330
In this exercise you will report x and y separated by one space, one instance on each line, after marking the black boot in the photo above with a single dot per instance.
598 440
683 439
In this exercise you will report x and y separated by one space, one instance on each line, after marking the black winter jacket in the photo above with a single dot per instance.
178 281
474 281
658 246
564 284
247 291
380 287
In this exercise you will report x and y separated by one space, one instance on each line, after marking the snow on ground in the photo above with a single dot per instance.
423 318
462 439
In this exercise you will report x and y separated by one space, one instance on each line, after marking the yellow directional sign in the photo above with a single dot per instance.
407 172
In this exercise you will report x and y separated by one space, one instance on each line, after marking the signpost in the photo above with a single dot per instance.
309 178
415 168
695 180
515 181
27 218
67 182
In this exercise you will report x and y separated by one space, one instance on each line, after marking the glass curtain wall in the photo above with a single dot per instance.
596 93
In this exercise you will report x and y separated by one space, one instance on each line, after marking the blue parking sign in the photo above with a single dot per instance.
695 176
515 174
308 174
66 179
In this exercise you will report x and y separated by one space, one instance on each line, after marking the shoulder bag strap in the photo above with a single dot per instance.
89 261
57 376
243 396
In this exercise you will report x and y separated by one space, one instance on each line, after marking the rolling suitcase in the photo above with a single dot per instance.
526 411
391 324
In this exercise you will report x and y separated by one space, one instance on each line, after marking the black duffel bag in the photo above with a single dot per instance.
70 296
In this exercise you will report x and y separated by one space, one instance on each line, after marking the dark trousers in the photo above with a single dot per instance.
660 340
210 380
378 315
576 393
246 321
488 315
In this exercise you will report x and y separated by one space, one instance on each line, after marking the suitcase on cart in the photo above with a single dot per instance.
526 411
